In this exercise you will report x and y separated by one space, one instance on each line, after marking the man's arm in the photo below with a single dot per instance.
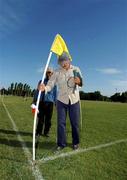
51 83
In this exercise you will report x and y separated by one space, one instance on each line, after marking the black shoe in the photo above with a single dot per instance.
75 147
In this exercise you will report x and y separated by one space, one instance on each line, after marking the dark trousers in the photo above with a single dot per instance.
44 117
74 114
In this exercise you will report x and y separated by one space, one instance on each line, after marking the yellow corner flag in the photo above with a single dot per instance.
59 46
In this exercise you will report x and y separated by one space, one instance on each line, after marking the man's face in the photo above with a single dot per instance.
49 74
65 64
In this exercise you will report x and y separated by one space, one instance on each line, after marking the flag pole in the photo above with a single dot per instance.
37 104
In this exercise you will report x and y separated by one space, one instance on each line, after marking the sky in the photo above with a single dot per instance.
95 32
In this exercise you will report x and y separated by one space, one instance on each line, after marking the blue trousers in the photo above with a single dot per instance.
74 115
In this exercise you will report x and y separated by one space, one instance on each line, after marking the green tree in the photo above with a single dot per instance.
12 88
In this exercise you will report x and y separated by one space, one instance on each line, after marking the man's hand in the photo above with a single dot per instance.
42 87
34 107
77 80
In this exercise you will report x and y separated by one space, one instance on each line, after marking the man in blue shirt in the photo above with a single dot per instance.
45 106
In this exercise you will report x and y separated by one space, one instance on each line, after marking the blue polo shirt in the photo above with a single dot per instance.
50 96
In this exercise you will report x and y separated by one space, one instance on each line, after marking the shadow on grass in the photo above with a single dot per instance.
17 144
44 142
14 143
14 132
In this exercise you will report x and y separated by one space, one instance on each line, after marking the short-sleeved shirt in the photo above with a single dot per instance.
60 78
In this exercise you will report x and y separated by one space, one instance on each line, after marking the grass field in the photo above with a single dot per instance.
103 123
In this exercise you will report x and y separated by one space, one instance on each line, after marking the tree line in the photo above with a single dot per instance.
97 96
20 89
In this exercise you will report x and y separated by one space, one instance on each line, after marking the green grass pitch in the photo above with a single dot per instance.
102 122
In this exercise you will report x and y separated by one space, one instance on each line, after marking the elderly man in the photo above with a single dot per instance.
67 78
45 106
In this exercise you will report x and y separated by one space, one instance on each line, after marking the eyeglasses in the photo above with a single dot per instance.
49 72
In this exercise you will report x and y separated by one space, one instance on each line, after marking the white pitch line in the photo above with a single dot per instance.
35 170
62 155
